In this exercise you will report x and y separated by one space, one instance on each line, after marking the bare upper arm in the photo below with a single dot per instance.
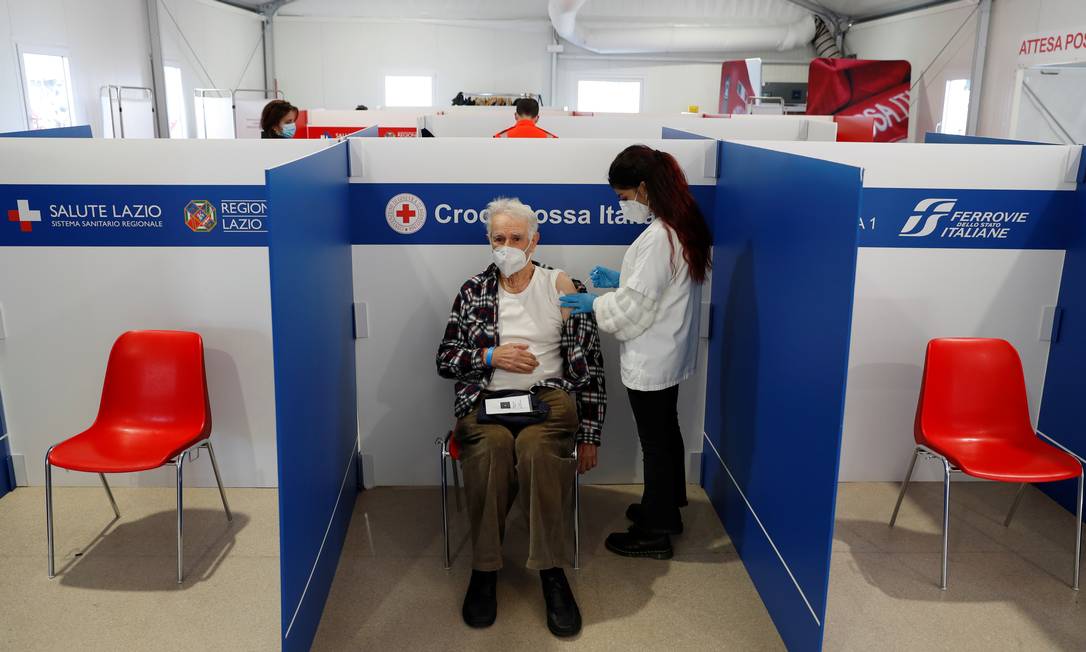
565 286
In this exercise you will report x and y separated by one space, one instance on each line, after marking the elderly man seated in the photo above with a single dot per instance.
508 337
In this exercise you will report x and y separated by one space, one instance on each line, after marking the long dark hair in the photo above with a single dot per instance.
670 200
274 112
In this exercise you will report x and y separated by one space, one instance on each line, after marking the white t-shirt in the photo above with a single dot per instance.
531 317
665 353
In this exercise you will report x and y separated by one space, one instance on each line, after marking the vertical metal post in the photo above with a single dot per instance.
180 520
976 77
158 80
267 31
904 486
946 521
49 512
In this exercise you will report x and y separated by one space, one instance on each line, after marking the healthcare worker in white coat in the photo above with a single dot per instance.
654 313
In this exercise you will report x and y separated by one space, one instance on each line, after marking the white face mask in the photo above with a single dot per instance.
634 211
509 260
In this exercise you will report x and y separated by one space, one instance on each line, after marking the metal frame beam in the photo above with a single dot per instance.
900 12
158 81
976 77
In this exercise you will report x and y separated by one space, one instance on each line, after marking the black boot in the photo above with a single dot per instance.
636 542
481 602
634 513
563 616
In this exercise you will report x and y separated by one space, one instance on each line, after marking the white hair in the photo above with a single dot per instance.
512 207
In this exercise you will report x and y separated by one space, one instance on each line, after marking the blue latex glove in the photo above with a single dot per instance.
581 302
603 277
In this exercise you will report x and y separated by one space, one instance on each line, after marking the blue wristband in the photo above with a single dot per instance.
489 356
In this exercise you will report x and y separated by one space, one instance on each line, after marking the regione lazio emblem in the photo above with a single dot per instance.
200 215
405 213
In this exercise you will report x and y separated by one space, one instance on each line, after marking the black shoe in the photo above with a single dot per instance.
636 542
481 602
634 514
563 616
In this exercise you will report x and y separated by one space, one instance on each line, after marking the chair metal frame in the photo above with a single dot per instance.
443 444
949 468
177 462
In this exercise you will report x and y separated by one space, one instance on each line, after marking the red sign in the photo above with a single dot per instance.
398 132
878 90
735 87
336 132
1066 46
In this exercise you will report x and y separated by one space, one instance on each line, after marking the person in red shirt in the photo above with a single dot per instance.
527 117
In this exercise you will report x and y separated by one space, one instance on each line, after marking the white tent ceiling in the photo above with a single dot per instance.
671 12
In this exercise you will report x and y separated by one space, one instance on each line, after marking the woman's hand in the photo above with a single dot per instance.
603 277
586 457
514 358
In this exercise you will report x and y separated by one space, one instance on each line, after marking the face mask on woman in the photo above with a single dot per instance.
288 130
634 211
509 260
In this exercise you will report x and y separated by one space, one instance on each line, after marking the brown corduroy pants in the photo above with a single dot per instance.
536 468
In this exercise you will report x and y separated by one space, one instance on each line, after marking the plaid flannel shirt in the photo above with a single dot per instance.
473 327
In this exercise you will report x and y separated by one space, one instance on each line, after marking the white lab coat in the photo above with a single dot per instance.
655 312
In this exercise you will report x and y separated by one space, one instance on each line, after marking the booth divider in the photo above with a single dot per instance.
933 137
316 419
7 471
782 303
1061 415
78 131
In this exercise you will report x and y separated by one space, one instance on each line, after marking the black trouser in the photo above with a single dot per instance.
662 448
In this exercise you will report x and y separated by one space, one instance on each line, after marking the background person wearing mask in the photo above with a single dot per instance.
527 117
655 315
277 119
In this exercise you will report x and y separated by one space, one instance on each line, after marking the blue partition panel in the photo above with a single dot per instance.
309 253
667 133
78 131
954 139
7 472
778 357
1062 416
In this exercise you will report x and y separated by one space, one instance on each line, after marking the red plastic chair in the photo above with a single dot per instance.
973 416
450 451
154 412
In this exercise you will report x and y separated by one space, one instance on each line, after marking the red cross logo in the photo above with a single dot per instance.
405 213
24 216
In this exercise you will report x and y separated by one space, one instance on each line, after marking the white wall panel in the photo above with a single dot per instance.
64 307
905 297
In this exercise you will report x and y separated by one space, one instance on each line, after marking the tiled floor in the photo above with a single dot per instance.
1008 587
116 586
391 592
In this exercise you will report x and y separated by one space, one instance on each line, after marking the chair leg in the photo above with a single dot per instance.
1014 505
112 502
456 485
576 520
904 486
49 513
946 522
180 520
445 507
1078 532
218 479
